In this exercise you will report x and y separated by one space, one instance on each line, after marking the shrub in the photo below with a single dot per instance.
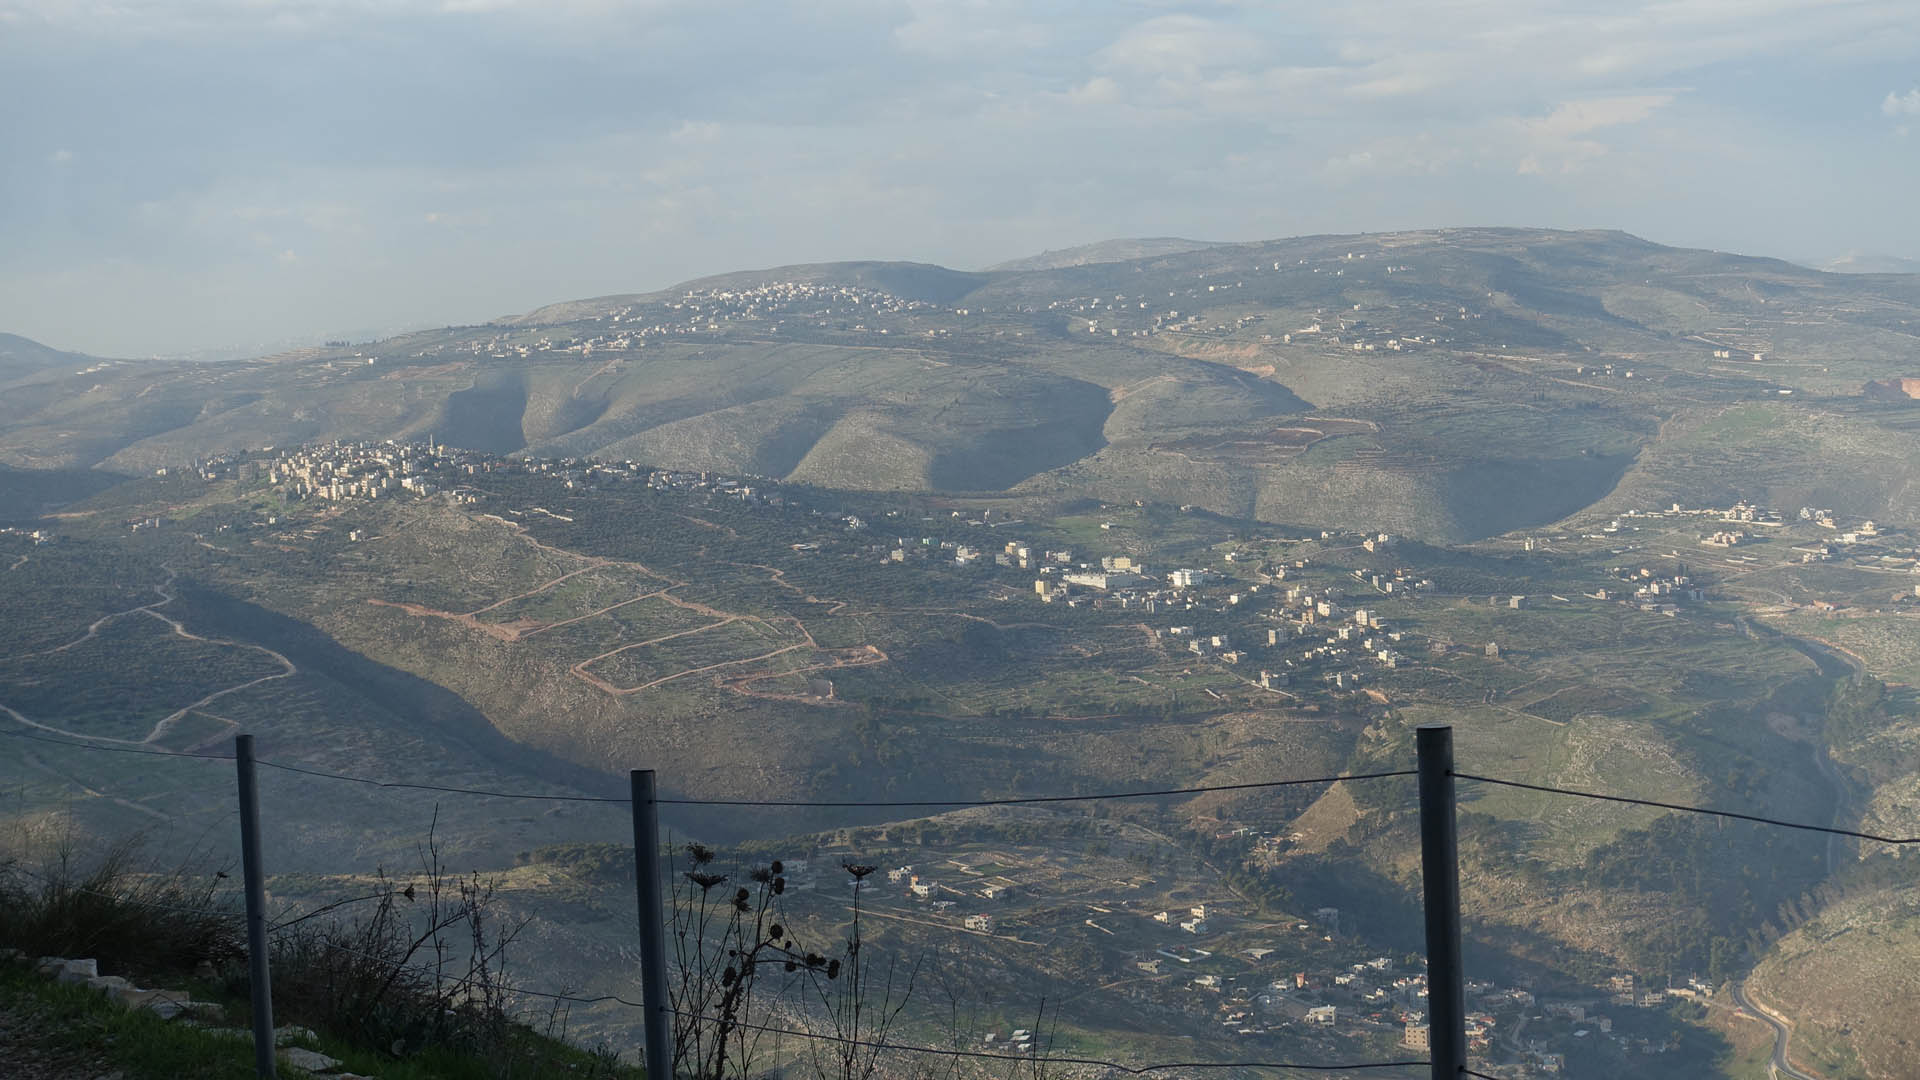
147 922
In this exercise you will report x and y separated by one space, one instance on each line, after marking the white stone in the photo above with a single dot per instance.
287 1036
78 971
310 1060
135 998
107 984
168 1008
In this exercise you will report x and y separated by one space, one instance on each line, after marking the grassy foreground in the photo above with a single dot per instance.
352 988
62 1023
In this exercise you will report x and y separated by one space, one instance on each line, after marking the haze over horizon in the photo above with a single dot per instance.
215 173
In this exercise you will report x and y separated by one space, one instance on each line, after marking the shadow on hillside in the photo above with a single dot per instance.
26 494
1390 914
1493 497
487 416
437 715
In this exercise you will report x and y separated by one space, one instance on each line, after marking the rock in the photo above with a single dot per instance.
311 1061
204 970
292 1033
133 997
8 954
78 971
165 1004
168 1008
50 965
107 984
207 1012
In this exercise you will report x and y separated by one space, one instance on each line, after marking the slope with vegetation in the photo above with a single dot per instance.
1505 378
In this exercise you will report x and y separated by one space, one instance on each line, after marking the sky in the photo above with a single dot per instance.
191 175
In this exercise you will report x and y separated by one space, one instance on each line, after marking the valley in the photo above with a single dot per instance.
754 639
814 538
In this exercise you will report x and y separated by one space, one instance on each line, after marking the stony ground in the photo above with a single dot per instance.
27 1054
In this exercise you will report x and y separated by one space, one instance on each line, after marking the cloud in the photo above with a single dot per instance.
60 156
404 147
696 131
1180 46
1420 155
1579 117
1099 90
969 29
113 17
1560 142
1565 158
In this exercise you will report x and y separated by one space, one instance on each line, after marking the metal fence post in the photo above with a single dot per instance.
258 976
653 945
1440 877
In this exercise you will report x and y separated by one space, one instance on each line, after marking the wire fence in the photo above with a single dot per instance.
467 983
1018 800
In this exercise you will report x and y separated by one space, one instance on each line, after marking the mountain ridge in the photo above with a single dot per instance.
23 356
1404 378
1118 249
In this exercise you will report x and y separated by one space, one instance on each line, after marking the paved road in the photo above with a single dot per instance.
1780 1065
1834 664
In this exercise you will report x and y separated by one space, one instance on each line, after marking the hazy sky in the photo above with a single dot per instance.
198 173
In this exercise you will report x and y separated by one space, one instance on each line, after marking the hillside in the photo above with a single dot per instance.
1104 251
21 357
1865 263
1449 385
540 625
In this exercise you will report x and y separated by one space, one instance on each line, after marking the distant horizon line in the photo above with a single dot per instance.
230 351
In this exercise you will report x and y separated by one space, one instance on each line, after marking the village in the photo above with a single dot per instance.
807 309
1293 614
1178 946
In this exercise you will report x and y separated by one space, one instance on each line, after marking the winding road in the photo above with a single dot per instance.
1832 663
165 591
1780 1065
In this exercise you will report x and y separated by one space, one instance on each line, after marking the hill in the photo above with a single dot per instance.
539 625
1103 252
1449 385
1859 263
19 355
